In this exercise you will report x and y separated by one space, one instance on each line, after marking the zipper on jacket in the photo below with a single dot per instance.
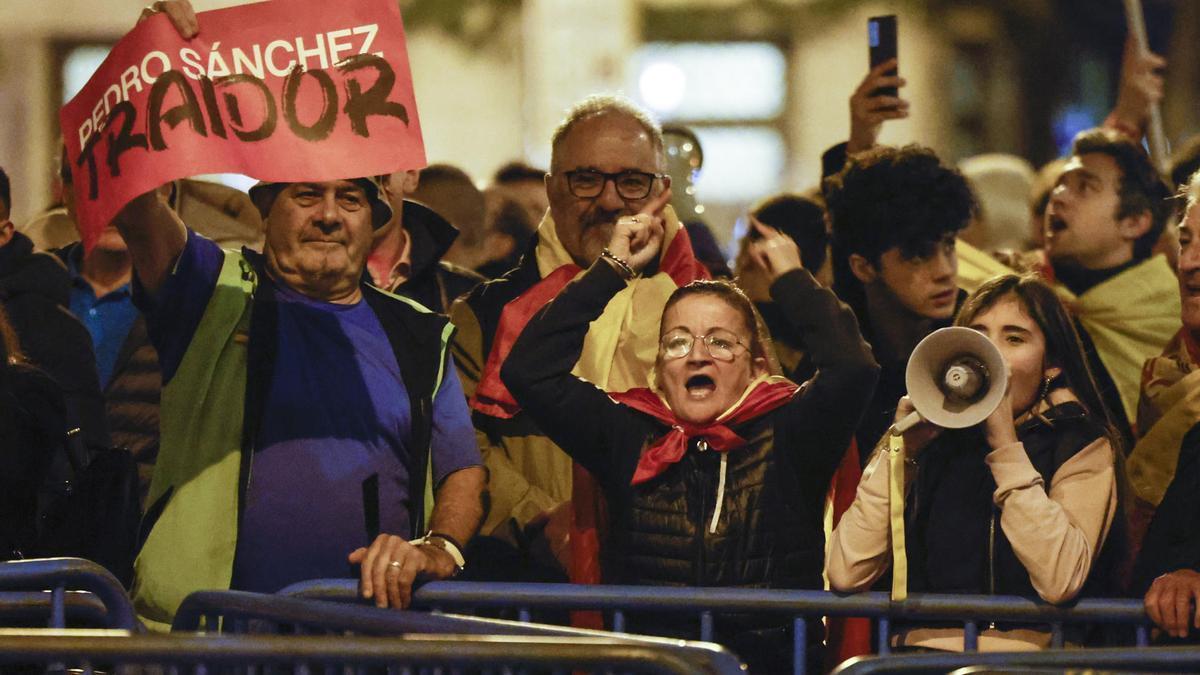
992 558
701 533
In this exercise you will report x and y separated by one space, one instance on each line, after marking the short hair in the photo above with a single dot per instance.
1141 187
1189 192
517 172
800 218
5 191
888 198
450 192
605 104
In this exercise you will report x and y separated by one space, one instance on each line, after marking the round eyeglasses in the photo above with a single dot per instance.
632 185
720 344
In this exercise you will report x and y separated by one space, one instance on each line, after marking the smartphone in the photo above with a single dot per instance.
881 42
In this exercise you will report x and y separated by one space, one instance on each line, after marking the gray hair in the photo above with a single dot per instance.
1191 190
606 104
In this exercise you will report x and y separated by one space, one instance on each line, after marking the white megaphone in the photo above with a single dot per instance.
955 377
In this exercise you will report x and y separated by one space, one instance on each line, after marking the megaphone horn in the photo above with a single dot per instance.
955 377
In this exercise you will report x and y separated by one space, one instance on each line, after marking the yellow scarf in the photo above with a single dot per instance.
1169 408
621 346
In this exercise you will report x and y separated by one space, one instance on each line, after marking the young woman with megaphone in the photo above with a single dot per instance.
1023 503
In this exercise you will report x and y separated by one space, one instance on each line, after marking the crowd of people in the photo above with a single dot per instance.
403 378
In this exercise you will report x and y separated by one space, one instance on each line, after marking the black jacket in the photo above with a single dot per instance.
432 282
35 291
1173 540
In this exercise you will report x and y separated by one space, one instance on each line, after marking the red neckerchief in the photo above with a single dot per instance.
492 398
765 397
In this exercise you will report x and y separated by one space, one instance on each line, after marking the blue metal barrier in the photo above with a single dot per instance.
339 654
237 612
1149 659
57 576
803 606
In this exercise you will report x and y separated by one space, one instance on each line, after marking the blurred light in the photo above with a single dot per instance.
1070 121
662 86
710 80
79 66
741 163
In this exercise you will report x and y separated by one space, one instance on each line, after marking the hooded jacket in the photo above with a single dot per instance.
432 281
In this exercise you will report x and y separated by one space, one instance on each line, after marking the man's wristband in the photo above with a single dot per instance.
447 543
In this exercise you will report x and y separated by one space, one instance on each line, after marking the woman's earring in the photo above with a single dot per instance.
1044 391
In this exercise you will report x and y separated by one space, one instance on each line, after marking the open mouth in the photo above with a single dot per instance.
1191 288
700 386
1056 224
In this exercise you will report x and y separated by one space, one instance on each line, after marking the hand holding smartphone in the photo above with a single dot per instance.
877 98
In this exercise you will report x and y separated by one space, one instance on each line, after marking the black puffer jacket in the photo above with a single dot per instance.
769 532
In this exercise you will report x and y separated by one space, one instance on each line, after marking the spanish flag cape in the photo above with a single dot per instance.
618 354
1129 317
1169 408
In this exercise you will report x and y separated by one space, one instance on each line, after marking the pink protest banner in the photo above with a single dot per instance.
285 90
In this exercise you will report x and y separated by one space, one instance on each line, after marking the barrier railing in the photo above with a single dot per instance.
338 653
1150 659
56 577
802 606
236 612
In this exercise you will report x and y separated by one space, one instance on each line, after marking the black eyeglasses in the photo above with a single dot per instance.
588 184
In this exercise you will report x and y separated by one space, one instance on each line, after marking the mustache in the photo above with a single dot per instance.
601 217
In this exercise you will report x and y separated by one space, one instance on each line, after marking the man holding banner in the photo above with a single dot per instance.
308 419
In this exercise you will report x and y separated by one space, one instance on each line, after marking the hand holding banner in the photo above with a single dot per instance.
286 90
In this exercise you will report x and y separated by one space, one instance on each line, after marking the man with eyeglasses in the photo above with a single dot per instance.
606 163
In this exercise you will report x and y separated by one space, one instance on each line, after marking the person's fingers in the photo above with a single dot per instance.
759 255
1194 592
379 570
1153 603
1154 60
412 565
889 81
182 15
393 587
655 206
367 569
884 115
767 232
1183 612
882 68
356 556
884 102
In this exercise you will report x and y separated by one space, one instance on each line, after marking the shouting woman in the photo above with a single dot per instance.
717 476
